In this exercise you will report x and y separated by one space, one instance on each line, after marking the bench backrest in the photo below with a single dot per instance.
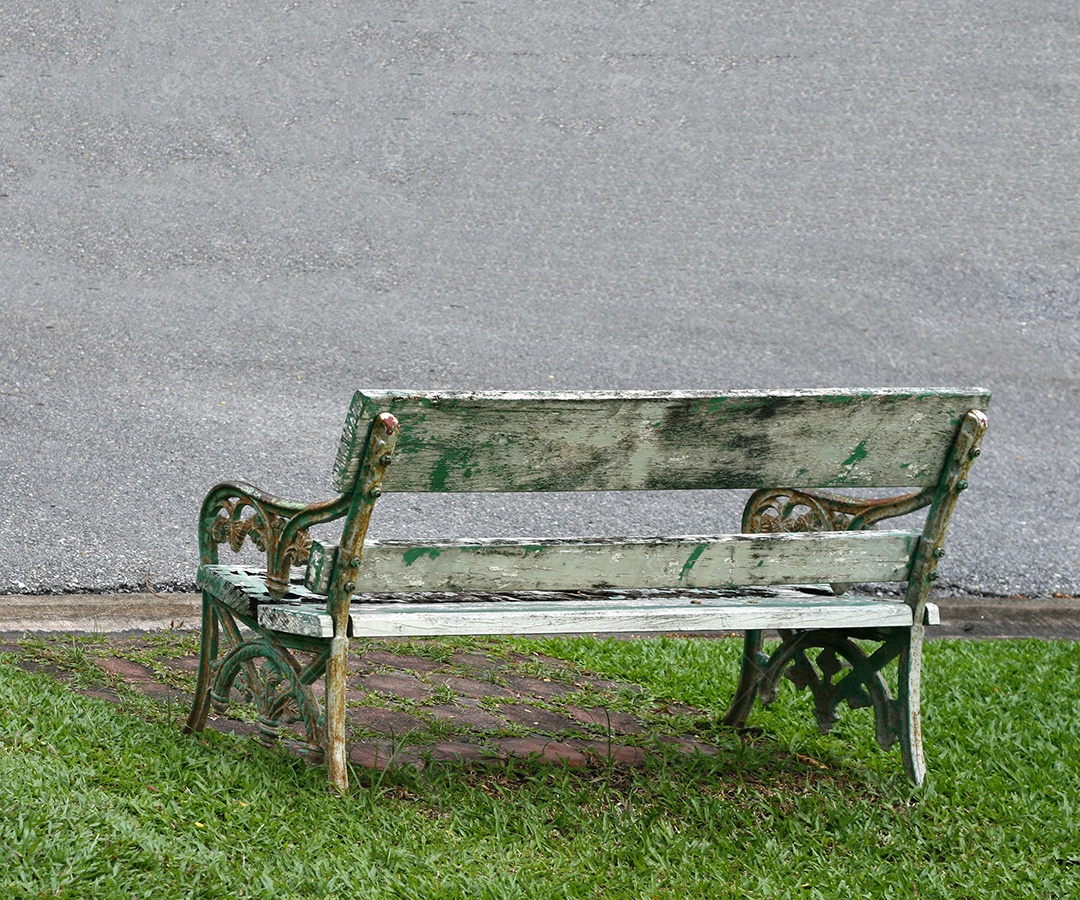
515 442
659 441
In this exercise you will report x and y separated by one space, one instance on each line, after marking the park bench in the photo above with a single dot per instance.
272 635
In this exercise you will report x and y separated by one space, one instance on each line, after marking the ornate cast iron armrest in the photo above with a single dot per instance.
234 511
787 509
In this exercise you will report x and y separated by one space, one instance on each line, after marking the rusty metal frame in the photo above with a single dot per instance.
377 458
847 672
262 669
261 666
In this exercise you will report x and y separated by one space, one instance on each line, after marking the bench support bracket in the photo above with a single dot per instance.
842 670
261 670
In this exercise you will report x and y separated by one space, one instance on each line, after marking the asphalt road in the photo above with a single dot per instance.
216 222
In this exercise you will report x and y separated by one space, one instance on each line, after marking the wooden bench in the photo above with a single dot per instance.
272 635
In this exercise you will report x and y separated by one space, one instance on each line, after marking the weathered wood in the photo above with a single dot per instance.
787 609
690 613
688 562
669 441
774 442
320 567
308 619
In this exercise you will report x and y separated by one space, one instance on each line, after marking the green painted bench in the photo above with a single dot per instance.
271 633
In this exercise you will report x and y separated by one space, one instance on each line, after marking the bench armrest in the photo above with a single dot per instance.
235 511
786 509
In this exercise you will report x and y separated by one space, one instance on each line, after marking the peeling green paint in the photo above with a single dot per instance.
452 461
412 555
859 453
692 560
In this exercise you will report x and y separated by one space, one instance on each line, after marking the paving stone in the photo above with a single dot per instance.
607 684
470 687
515 658
30 665
391 722
404 686
468 717
459 751
378 659
686 744
381 755
101 694
623 754
116 665
155 690
183 664
556 665
478 662
227 725
544 688
618 722
543 720
550 751
678 709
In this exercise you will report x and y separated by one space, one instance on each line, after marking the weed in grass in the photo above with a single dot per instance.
442 694
438 650
365 699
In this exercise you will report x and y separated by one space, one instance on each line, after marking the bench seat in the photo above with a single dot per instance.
429 613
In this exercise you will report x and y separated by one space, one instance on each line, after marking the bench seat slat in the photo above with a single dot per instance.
568 613
707 561
788 609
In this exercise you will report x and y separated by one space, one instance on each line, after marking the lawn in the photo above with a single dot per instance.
99 799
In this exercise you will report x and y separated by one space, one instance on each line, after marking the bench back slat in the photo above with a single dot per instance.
659 441
720 561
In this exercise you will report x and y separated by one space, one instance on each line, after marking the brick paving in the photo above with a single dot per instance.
462 708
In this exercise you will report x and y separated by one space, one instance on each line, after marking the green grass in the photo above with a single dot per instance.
100 800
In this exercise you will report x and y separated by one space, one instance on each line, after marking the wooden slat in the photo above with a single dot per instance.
243 589
716 561
787 609
385 615
635 440
693 611
307 619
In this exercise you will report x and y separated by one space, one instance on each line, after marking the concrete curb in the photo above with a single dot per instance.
101 613
968 617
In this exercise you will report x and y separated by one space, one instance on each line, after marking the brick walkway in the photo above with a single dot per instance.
415 705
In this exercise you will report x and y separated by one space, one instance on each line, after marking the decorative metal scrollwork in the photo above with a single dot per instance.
782 510
775 510
264 528
785 509
841 672
267 674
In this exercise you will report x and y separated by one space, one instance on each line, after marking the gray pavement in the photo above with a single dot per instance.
216 222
